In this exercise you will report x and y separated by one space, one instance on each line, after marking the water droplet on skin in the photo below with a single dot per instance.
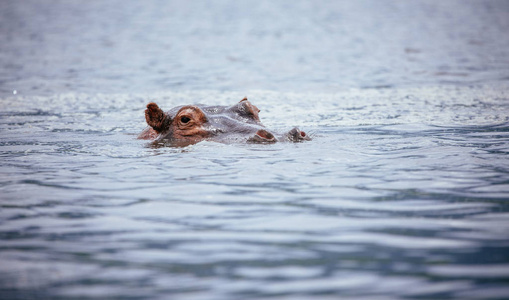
14 92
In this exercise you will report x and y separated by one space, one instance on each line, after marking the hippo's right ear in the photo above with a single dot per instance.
157 118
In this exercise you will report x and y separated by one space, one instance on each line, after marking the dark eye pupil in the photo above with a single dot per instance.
185 119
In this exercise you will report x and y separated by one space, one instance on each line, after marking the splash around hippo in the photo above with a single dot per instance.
190 124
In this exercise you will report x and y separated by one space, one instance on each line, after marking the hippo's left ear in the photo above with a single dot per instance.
157 118
245 109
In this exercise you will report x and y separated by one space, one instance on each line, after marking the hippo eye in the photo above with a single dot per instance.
185 119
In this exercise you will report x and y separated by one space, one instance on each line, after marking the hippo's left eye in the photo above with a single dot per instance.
185 119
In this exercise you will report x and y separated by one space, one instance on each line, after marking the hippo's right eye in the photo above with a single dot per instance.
185 119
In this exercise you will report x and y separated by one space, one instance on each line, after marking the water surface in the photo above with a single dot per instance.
402 194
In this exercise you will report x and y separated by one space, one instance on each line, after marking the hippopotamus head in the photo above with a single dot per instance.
189 124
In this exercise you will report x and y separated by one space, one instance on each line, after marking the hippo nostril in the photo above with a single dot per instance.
296 135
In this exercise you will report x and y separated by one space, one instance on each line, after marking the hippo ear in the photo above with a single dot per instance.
246 109
157 118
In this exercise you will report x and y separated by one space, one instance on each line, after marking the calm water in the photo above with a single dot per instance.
402 194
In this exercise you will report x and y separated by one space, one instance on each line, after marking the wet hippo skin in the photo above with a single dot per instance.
190 124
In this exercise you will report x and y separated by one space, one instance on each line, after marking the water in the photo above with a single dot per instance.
117 47
402 194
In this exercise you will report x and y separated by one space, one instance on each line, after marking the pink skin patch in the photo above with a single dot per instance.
265 134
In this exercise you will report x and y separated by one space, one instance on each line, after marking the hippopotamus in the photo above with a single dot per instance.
190 124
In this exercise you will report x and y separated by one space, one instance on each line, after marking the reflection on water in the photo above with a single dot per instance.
402 194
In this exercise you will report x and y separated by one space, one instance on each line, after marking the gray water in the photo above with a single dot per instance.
403 193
